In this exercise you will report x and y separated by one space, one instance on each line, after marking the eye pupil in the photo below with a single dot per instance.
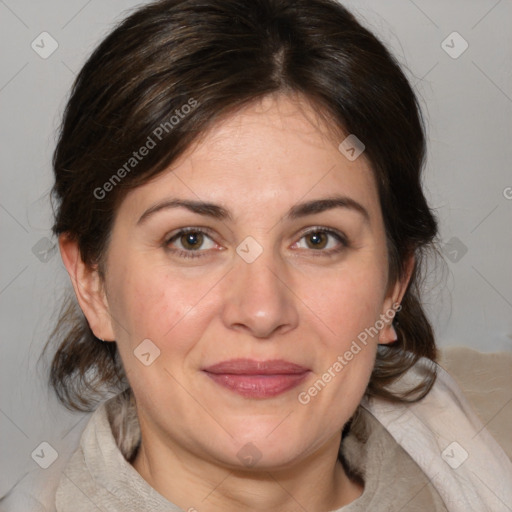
317 240
192 240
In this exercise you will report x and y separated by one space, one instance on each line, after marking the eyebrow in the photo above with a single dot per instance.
202 208
297 211
329 203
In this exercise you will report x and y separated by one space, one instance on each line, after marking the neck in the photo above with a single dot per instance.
317 483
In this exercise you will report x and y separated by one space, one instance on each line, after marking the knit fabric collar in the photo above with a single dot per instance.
99 473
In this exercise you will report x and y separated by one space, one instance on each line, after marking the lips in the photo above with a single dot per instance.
257 379
253 367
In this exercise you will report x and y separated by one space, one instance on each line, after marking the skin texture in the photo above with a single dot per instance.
297 301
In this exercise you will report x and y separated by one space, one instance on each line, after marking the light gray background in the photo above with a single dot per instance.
468 107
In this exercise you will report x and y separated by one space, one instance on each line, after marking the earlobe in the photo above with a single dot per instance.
89 289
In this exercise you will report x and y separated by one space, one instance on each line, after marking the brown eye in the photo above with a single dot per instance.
324 241
317 240
188 241
192 241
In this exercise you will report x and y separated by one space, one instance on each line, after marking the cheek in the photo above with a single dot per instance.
346 308
348 302
153 302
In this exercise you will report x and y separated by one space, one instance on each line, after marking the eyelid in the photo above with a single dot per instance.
189 229
324 229
340 236
190 253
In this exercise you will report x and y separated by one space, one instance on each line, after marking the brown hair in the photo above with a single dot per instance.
215 56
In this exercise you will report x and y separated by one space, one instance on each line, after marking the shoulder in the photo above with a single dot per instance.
486 381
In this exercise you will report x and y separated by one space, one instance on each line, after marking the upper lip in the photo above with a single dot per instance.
254 367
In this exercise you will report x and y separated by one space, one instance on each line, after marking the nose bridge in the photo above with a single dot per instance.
258 299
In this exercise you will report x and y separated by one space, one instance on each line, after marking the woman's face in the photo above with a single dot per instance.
282 266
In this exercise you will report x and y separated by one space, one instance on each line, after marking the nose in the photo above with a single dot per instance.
259 301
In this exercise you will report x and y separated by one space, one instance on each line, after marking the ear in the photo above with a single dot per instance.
89 289
392 302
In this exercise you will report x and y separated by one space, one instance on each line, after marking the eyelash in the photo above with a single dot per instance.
340 237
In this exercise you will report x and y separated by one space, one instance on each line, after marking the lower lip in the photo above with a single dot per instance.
258 386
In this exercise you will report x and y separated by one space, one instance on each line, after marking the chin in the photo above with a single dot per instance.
259 445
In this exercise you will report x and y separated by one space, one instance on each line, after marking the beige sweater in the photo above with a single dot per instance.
98 475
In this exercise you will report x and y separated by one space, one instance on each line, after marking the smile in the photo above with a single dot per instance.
257 379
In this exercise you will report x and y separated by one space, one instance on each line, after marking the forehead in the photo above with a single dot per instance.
270 154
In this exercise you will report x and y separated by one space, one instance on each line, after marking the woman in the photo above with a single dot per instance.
240 211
